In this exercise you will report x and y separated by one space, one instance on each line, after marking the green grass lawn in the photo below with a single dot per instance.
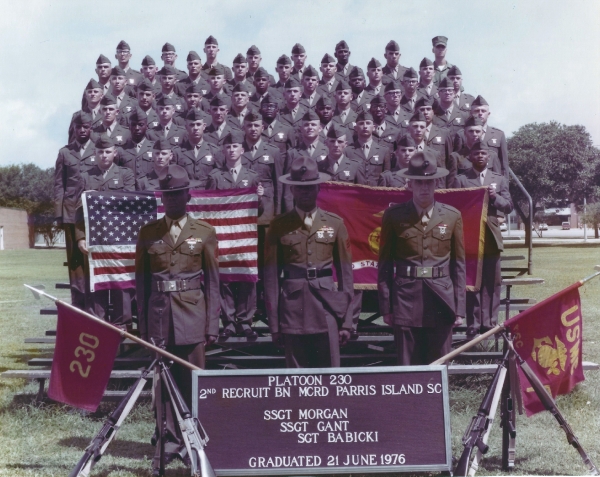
48 439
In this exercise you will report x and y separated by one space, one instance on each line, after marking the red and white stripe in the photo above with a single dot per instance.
112 267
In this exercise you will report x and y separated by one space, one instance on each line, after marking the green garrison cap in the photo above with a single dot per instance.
253 51
392 46
138 115
168 47
194 88
268 98
342 45
310 115
445 83
364 116
336 131
216 70
165 101
356 72
104 142
424 101
454 71
284 60
342 85
292 83
324 101
378 99
81 117
410 73
211 40
192 56
167 70
108 99
392 86
234 137
310 71
479 146
145 85
479 101
241 88
374 63
102 59
298 49
93 84
407 141
218 101
239 58
162 145
117 71
252 116
148 61
328 59
473 121
123 45
261 73
196 115
419 116
425 62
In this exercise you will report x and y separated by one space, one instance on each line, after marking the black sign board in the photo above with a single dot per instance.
325 421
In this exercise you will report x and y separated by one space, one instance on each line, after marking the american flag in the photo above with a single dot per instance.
113 221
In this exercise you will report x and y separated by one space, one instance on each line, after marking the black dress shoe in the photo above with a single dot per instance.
226 334
250 334
353 335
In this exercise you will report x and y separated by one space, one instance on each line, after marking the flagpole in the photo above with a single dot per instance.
470 344
123 333
593 275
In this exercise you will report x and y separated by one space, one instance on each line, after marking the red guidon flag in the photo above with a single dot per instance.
549 337
83 359
362 208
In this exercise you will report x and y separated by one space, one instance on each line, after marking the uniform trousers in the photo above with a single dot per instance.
182 376
418 345
238 304
75 261
317 350
483 306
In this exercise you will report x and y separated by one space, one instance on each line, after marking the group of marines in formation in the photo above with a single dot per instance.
215 127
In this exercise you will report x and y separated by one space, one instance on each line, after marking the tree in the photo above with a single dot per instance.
592 217
28 187
555 162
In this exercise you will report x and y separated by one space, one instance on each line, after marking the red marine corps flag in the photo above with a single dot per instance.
549 337
83 359
362 208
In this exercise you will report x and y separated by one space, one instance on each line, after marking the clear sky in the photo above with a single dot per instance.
533 61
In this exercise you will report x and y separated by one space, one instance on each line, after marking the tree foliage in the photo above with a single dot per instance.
28 187
556 163
592 217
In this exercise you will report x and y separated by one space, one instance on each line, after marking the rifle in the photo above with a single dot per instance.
94 451
550 406
473 436
193 434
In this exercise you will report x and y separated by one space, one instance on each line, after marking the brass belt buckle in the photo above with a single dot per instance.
311 273
171 286
422 272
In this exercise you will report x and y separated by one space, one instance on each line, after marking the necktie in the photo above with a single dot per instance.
166 131
425 219
308 221
336 164
196 150
270 130
294 112
254 150
94 114
343 116
457 100
379 130
175 230
82 150
233 173
396 113
365 149
220 131
481 178
448 113
311 149
108 132
138 146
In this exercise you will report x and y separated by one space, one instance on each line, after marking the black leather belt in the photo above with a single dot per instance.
421 272
308 273
176 285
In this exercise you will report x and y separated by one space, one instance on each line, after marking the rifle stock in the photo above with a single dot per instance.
474 434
